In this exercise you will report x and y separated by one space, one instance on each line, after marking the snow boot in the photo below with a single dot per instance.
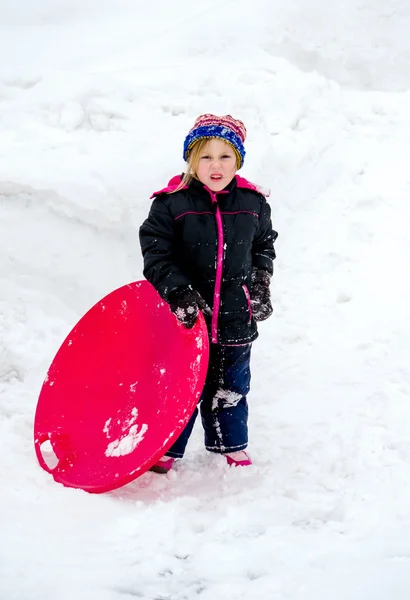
163 465
238 459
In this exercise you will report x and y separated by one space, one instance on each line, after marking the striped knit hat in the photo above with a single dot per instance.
226 128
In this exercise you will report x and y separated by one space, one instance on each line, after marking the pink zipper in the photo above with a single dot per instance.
219 267
248 299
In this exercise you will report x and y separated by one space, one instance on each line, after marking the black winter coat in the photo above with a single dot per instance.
210 241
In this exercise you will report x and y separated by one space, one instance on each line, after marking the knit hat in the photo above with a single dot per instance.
225 128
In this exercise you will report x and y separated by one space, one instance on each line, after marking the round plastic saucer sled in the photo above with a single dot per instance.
120 390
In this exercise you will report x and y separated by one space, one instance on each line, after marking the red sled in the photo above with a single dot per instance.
120 390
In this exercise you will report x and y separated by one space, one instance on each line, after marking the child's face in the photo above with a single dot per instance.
217 164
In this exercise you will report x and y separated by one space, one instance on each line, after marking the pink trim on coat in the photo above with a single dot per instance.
241 182
248 299
173 183
192 212
240 212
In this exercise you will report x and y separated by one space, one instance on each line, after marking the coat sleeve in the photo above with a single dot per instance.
157 239
263 251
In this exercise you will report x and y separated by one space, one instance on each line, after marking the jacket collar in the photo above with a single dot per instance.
237 182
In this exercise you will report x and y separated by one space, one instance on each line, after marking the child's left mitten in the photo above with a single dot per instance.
260 295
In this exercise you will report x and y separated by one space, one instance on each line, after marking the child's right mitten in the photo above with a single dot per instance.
185 303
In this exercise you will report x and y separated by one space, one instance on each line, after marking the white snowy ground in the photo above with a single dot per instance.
95 100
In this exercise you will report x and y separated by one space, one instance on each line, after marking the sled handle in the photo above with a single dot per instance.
62 454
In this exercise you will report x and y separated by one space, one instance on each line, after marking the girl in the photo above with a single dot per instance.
208 245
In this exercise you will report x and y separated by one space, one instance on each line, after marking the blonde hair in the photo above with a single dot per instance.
193 162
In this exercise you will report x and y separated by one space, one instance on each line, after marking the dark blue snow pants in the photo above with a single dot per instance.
223 405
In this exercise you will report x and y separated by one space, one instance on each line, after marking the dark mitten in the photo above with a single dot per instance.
260 295
185 304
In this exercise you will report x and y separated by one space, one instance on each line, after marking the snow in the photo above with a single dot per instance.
225 398
131 435
95 100
127 444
